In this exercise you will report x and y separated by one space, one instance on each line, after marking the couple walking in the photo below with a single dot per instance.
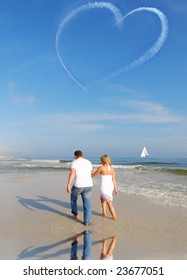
80 183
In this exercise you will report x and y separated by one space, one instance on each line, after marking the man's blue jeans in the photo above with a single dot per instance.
86 200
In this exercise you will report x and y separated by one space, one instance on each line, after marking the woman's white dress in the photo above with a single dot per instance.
107 187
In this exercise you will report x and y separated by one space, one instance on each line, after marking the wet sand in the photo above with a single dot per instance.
36 223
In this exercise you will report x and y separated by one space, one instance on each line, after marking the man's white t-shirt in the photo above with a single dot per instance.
83 169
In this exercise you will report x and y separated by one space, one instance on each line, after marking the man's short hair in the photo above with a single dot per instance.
78 153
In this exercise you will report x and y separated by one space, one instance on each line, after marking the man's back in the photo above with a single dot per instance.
83 168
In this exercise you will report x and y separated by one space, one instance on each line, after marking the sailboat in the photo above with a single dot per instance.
144 153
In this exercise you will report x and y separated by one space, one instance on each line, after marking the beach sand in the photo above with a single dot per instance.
36 223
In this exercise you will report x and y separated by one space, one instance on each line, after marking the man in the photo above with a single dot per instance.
80 174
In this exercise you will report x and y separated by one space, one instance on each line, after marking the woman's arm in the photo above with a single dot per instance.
97 172
114 182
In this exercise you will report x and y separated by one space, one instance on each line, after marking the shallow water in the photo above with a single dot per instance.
161 180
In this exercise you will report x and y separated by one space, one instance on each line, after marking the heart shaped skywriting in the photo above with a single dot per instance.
119 20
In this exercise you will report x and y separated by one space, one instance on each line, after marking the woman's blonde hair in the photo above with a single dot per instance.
105 159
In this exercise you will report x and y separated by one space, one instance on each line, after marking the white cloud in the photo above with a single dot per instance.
18 98
179 7
11 86
21 99
4 150
39 131
150 112
70 122
133 112
129 112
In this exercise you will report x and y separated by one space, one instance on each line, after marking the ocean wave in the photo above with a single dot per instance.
174 198
146 162
41 167
176 171
65 161
51 161
172 166
122 166
157 189
4 158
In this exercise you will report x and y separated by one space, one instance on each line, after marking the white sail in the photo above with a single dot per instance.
144 153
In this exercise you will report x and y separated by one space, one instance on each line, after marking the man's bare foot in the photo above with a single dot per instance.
76 217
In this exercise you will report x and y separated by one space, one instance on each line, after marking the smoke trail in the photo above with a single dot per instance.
119 19
150 53
115 11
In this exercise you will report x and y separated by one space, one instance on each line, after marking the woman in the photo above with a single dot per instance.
108 185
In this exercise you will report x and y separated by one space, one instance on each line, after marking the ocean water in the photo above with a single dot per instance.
163 180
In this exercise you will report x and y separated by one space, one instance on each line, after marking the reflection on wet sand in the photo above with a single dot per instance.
87 246
77 247
107 250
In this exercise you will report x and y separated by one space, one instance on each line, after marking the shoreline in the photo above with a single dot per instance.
37 223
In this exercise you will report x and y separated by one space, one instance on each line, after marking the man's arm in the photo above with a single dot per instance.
70 179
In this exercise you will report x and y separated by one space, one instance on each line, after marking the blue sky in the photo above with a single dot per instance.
84 76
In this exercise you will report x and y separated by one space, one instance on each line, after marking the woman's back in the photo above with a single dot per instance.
107 170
